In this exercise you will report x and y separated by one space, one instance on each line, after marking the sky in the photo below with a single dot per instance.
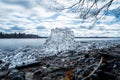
40 16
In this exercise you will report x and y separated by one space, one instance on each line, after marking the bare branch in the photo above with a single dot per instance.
84 9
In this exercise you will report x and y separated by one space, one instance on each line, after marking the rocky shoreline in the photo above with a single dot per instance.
70 65
63 58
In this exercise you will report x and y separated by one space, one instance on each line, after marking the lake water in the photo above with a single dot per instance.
9 44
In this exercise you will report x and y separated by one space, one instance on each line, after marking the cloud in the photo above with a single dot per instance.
51 5
24 3
29 17
40 27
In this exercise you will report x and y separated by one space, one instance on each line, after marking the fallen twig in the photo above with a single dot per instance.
101 60
28 65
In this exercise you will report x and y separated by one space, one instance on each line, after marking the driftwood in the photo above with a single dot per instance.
28 65
101 60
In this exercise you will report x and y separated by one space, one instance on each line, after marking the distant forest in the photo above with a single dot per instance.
18 35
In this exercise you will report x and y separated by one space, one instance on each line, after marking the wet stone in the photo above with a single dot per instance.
18 77
46 78
29 76
3 73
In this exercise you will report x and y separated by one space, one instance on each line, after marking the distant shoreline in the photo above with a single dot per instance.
97 37
47 37
24 38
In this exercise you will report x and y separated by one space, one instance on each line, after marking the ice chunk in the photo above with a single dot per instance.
59 40
24 56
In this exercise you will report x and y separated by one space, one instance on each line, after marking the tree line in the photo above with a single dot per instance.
17 35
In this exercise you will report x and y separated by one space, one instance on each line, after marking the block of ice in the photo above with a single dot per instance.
59 40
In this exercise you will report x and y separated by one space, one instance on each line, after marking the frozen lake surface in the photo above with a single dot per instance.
9 44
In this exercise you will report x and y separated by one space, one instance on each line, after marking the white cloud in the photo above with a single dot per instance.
115 4
108 19
29 19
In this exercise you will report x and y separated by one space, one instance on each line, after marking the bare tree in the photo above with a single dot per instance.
85 9
91 5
